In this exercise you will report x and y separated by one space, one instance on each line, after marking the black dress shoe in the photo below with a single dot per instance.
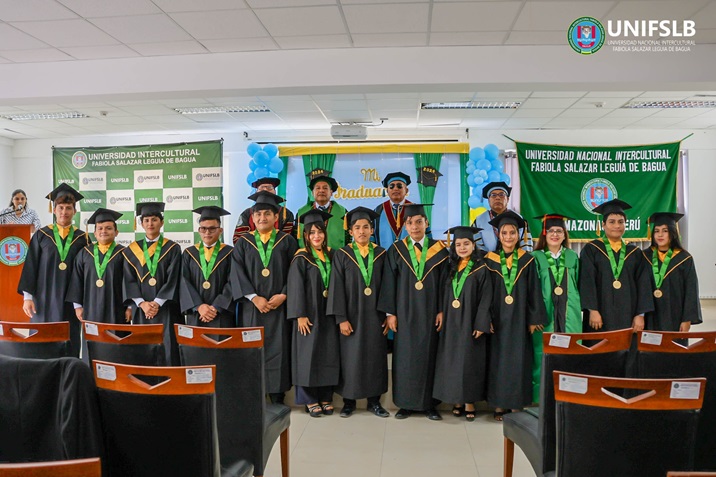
403 414
378 410
346 411
433 415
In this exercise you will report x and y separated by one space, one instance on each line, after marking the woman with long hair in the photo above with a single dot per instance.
18 212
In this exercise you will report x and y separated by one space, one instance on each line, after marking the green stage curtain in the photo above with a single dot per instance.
427 192
283 177
317 161
464 190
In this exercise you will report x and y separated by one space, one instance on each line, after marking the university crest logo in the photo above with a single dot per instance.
586 35
13 251
596 192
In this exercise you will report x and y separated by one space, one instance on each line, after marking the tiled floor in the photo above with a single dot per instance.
368 446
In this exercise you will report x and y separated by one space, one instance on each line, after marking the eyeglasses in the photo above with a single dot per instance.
208 230
555 232
498 195
396 185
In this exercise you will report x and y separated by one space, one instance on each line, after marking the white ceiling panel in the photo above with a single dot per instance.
126 120
521 123
217 25
95 8
170 119
357 115
614 94
467 38
302 21
63 33
142 28
558 94
148 109
171 6
286 3
479 16
584 113
13 39
657 10
243 44
557 16
655 122
33 10
699 122
612 123
537 113
35 55
681 113
630 113
569 123
537 103
189 47
100 52
536 38
706 17
393 114
292 106
590 102
489 113
395 95
327 105
446 97
406 104
389 39
313 41
387 18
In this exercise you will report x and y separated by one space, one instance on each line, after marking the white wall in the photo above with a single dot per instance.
7 183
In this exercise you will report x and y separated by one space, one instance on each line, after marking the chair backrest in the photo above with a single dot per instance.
600 433
565 352
60 468
666 355
141 345
240 385
164 428
35 340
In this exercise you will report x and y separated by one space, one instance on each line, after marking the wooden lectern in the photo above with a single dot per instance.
14 245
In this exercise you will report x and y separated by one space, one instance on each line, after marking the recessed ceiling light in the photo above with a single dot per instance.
224 109
33 116
669 104
473 105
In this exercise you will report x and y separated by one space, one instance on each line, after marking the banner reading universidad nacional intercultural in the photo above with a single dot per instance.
572 180
184 176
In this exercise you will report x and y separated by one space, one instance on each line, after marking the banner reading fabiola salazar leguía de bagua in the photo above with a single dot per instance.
572 180
184 176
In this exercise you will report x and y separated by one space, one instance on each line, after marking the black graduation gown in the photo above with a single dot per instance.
102 304
416 341
364 360
136 285
246 279
192 293
461 363
680 289
509 382
42 278
315 358
618 307
245 223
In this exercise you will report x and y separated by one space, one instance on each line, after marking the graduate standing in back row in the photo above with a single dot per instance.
205 293
48 267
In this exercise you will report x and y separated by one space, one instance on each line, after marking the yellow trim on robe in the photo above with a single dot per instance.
616 245
409 148
265 237
104 248
364 249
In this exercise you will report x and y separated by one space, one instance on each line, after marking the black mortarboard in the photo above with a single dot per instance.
360 213
315 179
552 220
266 200
274 181
210 212
614 206
508 217
665 218
428 176
490 186
148 209
396 176
415 209
462 232
104 215
314 216
63 190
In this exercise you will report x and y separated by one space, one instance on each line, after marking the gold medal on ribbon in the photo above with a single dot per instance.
152 281
418 285
509 299
325 293
99 283
206 285
617 284
658 293
456 303
367 291
62 266
558 291
266 272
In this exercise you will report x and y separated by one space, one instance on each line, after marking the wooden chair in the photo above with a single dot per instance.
248 426
62 468
663 355
534 432
600 433
35 340
140 345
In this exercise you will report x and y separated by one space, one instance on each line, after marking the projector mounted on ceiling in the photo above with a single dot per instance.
353 132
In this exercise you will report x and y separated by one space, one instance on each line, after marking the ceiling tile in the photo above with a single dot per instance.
387 18
63 33
389 39
171 6
327 105
393 114
313 41
680 113
591 102
142 29
393 95
126 120
100 52
557 16
345 116
537 113
302 21
13 39
35 55
630 113
664 9
547 103
337 97
585 113
213 25
94 8
171 118
609 123
480 16
286 3
33 10
148 110
168 48
706 17
243 44
529 38
503 96
569 123
292 106
613 94
404 104
558 94
467 38
656 122
522 123
697 123
364 2
446 97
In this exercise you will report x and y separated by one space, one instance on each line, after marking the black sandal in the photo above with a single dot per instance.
457 411
469 415
327 409
314 411
497 415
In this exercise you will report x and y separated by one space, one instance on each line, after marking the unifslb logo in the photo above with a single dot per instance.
13 251
586 35
596 192
79 159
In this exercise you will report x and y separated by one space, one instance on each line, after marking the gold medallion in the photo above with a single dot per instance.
418 285
456 303
558 291
206 285
325 293
617 284
658 293
152 281
99 283
367 291
266 272
509 299
62 266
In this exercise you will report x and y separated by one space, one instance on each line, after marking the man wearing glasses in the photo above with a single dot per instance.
285 221
205 292
498 196
391 213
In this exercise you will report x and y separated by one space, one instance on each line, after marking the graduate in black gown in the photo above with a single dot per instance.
461 364
674 281
356 283
205 292
614 283
517 312
315 358
152 270
285 220
48 267
412 297
259 273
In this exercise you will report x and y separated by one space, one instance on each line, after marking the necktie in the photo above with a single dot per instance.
395 210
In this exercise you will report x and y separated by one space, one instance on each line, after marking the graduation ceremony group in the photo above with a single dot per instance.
337 290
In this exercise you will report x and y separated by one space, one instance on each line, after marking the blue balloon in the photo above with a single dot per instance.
261 172
477 190
492 152
497 165
271 150
486 203
476 154
484 164
479 180
492 176
483 173
505 178
253 148
253 165
262 159
471 180
470 168
474 202
251 178
276 165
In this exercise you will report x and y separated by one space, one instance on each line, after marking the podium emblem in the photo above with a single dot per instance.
13 251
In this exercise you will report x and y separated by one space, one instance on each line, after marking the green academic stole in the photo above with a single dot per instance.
458 284
265 254
616 269
509 276
366 272
153 261
101 267
660 274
